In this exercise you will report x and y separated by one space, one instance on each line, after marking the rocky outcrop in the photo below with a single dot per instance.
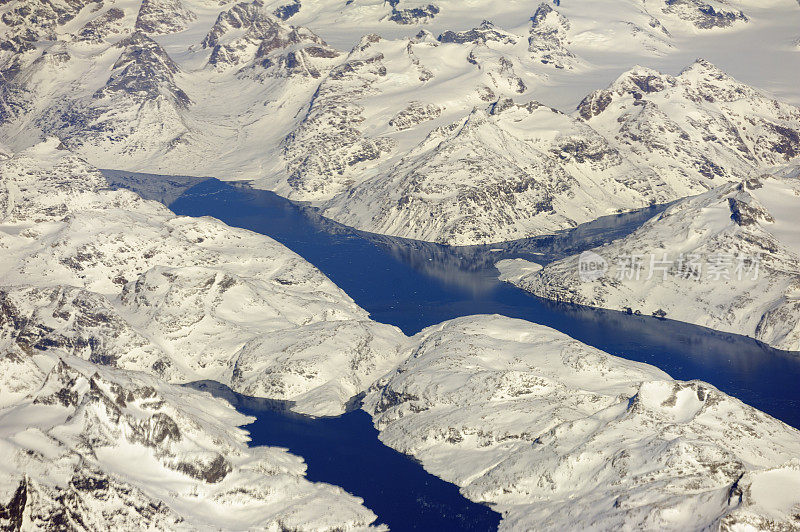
555 434
548 36
414 15
108 277
247 36
726 259
95 439
703 15
415 114
159 17
484 33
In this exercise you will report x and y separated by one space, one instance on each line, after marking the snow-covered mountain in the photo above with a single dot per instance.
696 129
118 280
399 117
727 259
504 173
88 447
98 283
558 435
106 296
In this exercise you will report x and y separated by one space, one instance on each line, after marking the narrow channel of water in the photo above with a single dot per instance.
414 284
345 451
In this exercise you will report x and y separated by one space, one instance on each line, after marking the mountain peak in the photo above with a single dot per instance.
703 66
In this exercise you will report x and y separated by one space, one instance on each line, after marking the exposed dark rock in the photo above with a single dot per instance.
789 143
480 35
415 15
12 514
744 214
102 27
213 472
594 104
159 17
548 36
63 378
414 114
703 15
287 11
145 71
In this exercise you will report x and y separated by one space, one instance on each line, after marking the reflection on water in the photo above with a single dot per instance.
473 266
345 451
415 284
162 188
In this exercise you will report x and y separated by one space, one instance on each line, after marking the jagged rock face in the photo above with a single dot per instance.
481 35
247 35
91 499
35 20
140 105
106 25
144 71
159 17
287 11
94 440
548 36
414 15
82 323
328 145
532 422
703 15
329 149
743 232
516 169
415 114
695 130
139 300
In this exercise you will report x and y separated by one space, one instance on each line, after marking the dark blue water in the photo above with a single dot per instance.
415 284
345 451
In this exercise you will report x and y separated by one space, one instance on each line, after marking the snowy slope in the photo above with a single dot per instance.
558 435
87 447
159 85
504 173
99 282
119 280
739 248
696 129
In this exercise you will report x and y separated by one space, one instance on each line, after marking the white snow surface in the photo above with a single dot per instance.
558 435
393 125
96 448
742 242
114 278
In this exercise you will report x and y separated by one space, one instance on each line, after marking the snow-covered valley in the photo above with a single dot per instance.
425 122
183 364
85 349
